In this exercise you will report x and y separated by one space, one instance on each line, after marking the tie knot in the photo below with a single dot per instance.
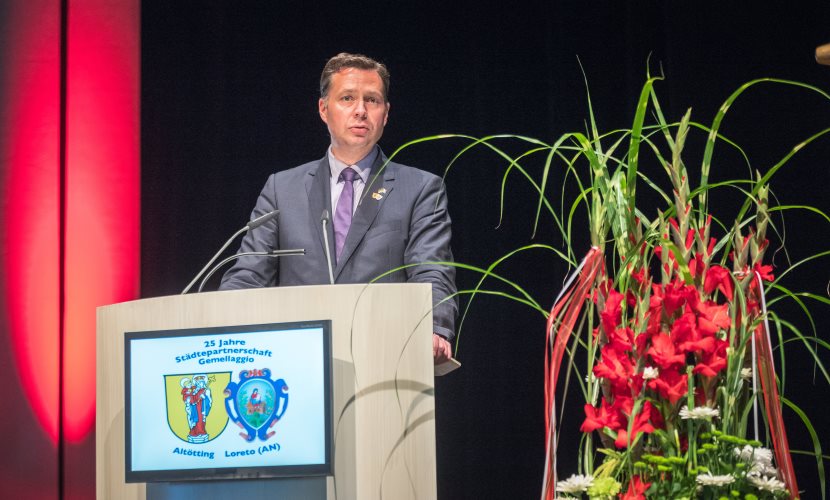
348 174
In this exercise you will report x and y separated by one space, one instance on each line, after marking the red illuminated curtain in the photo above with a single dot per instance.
69 226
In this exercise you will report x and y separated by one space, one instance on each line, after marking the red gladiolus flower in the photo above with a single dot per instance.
598 418
642 341
721 279
689 337
704 345
611 315
670 384
621 339
614 367
675 296
765 271
711 317
641 425
656 299
713 362
636 489
684 328
709 370
663 352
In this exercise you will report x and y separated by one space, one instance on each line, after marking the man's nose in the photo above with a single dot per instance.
360 108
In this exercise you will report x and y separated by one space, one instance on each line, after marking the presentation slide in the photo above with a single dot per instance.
227 398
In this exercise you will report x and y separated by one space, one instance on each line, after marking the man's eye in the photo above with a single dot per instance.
372 100
347 98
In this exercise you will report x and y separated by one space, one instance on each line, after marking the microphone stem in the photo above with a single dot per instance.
326 242
227 243
272 253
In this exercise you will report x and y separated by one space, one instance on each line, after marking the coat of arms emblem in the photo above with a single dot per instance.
256 403
192 413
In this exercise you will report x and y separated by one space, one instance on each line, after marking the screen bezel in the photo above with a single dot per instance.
215 473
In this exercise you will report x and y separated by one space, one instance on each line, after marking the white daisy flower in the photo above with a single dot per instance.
699 413
770 484
707 479
650 372
746 374
762 456
577 483
758 469
759 458
746 453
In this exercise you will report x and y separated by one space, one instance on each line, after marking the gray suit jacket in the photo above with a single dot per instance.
401 219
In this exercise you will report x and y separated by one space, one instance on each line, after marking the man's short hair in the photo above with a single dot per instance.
345 60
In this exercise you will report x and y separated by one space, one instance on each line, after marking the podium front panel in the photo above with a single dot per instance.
382 384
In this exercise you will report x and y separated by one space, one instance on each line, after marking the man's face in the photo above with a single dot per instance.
355 112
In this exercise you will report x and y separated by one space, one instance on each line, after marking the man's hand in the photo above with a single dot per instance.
441 349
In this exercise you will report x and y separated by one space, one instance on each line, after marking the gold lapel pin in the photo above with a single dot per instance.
378 195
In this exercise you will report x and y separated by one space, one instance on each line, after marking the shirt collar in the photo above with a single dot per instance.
363 167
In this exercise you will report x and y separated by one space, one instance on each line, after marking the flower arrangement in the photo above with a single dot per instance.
672 370
678 348
673 322
666 314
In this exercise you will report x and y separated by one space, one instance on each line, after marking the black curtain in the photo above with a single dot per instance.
229 94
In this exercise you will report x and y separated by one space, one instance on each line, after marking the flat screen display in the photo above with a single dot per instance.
229 402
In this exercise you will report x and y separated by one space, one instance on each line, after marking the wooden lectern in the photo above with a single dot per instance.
383 387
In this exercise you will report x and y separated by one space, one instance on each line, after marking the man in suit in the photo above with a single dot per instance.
386 215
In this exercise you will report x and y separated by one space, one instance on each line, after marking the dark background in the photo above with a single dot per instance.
229 95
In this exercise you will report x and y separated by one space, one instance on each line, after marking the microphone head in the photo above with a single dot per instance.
262 219
325 216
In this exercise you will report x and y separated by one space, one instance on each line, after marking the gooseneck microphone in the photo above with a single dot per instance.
324 219
272 253
262 219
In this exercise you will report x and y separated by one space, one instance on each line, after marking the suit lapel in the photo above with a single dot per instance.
381 183
318 187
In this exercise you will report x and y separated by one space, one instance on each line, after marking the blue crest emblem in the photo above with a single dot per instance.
256 403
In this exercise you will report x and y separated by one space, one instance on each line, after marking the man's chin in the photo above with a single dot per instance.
358 140
363 142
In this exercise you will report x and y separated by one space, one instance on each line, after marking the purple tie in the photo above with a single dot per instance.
343 213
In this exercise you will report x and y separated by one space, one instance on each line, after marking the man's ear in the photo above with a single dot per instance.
386 115
322 106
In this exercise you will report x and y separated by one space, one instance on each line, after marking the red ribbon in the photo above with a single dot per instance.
772 403
562 318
